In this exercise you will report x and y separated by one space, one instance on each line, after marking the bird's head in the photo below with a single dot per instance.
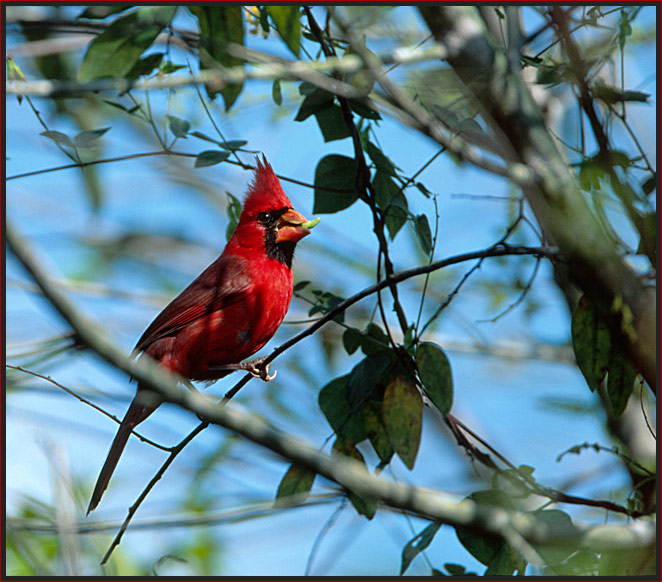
268 220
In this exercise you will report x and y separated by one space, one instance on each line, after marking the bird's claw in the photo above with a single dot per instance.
260 371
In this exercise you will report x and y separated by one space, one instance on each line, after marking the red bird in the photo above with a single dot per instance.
229 312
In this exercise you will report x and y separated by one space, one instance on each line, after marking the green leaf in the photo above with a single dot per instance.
343 446
234 212
205 137
590 342
403 417
170 67
276 93
381 162
351 340
504 563
116 51
620 380
649 185
434 371
233 144
145 66
363 110
423 233
556 553
334 172
340 416
610 94
220 25
332 123
210 158
300 285
374 340
58 137
315 100
389 197
288 25
365 376
484 547
373 421
101 12
295 486
417 544
87 138
178 126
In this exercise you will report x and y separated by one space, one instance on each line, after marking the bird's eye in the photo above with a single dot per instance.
264 217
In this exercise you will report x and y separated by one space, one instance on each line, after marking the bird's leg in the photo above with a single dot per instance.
256 368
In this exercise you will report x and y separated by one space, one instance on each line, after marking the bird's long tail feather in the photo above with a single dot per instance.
139 410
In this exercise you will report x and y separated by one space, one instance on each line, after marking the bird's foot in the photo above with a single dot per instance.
259 370
256 368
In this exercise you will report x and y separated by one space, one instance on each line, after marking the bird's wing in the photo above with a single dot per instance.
223 283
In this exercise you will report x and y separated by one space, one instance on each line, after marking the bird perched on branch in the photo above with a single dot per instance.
229 312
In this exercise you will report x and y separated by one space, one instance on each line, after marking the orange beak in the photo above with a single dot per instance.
293 226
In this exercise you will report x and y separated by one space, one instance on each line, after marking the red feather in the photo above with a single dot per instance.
228 312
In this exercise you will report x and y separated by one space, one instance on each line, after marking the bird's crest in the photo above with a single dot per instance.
265 191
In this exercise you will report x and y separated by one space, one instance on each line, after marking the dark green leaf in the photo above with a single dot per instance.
220 25
276 93
374 340
382 163
504 563
417 544
210 158
624 29
315 100
178 126
434 371
288 26
233 144
620 380
591 343
332 123
403 417
423 233
264 18
344 446
338 174
204 136
364 377
101 12
145 66
116 51
351 340
363 110
58 137
649 185
295 486
484 547
390 199
300 285
373 421
455 569
335 407
87 138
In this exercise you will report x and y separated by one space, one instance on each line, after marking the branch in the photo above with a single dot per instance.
627 306
348 473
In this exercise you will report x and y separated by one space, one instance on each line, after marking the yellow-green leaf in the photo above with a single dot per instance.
295 486
288 25
403 417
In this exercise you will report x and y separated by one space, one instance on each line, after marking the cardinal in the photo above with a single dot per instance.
229 312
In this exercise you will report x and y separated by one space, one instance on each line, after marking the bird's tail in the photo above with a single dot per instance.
141 407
